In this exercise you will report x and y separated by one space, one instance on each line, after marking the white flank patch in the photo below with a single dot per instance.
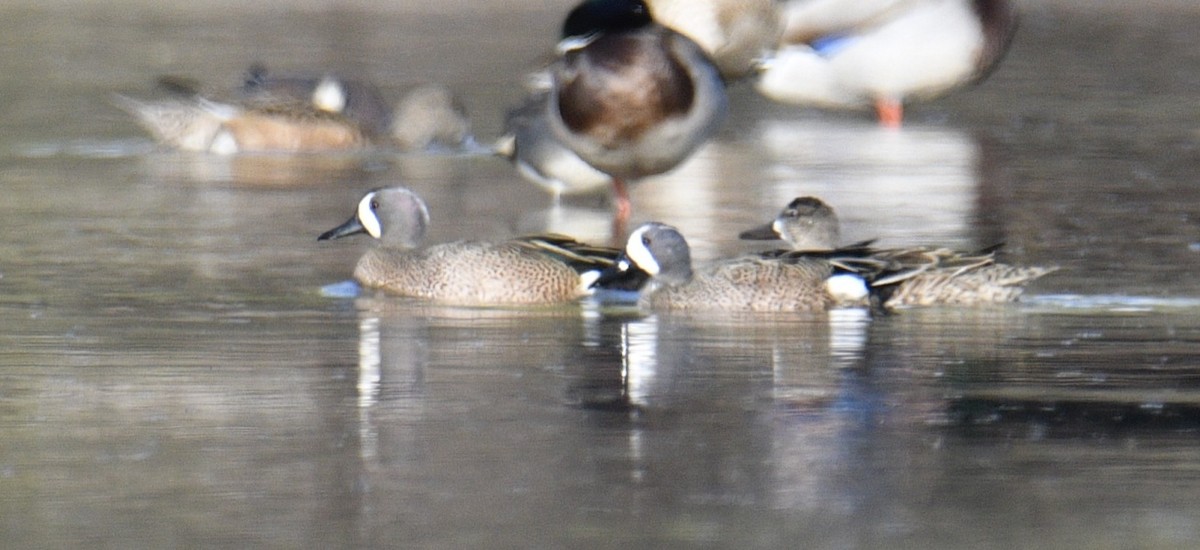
846 288
586 279
641 255
329 96
367 217
223 144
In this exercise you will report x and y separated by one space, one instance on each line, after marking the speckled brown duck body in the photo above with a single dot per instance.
199 125
284 114
525 271
742 284
471 273
912 276
749 284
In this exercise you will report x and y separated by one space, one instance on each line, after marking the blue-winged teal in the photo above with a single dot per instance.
359 101
299 114
202 125
902 276
427 116
884 53
631 97
525 271
784 283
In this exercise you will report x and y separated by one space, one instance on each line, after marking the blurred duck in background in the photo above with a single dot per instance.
541 157
298 114
855 54
734 33
627 96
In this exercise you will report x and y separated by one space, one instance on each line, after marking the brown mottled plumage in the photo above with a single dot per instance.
196 124
299 132
749 284
299 115
525 271
743 284
913 276
983 284
471 273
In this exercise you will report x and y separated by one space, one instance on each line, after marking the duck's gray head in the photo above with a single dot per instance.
658 250
654 250
807 223
394 215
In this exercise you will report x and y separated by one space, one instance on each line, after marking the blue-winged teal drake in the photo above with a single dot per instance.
427 116
631 97
299 115
751 283
525 271
359 101
913 276
202 125
884 53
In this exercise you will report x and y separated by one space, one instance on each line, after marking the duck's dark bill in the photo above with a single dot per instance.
351 227
762 233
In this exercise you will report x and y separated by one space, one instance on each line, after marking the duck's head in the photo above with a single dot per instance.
807 223
655 250
592 17
395 215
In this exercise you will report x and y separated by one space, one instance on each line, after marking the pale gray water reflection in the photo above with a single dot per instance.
171 375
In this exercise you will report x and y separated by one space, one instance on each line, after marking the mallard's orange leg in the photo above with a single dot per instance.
890 111
623 206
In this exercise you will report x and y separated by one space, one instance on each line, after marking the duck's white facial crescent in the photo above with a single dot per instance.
638 252
367 217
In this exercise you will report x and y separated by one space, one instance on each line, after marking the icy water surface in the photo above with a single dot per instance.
171 376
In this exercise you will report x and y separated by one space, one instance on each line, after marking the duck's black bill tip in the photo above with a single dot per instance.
351 227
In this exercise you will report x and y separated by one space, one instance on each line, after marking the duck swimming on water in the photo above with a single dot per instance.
909 276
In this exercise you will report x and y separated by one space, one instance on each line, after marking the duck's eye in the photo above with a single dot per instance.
374 205
645 240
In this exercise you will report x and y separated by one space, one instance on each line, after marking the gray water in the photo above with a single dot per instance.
171 375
